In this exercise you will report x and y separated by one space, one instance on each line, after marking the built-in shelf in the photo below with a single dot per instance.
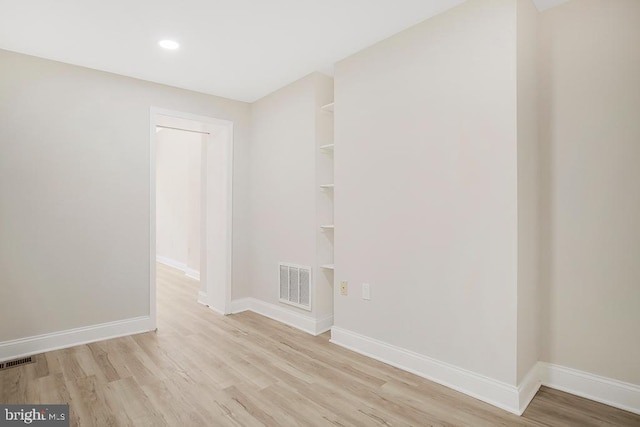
325 232
328 108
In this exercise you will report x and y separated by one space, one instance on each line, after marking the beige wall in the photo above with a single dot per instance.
178 161
435 200
283 188
194 202
590 135
74 193
528 197
426 189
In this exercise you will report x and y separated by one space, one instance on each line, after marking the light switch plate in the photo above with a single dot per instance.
366 291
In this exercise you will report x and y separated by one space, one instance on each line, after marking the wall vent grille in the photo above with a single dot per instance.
295 285
16 362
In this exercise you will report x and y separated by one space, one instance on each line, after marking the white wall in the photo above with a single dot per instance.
194 191
436 176
590 133
528 197
74 193
283 188
178 161
426 189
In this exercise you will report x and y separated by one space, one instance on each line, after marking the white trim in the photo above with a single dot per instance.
488 390
202 298
528 388
300 321
192 273
228 290
171 263
189 272
73 337
213 308
152 218
609 391
204 123
324 324
240 305
305 323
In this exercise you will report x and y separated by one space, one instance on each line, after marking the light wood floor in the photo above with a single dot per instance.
203 369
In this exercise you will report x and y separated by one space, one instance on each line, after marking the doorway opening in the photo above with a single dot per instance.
195 237
178 199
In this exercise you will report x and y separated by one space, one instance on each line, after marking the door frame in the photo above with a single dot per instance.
209 235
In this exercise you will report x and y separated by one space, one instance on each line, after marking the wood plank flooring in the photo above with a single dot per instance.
203 369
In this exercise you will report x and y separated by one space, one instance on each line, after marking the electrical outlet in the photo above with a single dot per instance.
366 291
344 288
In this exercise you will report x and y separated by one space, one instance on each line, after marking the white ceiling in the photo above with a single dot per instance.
240 49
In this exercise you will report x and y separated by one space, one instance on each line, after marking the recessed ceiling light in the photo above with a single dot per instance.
169 44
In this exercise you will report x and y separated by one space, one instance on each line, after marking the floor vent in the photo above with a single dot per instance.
295 285
17 362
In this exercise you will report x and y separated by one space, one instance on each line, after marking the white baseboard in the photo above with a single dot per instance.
488 390
189 272
240 305
194 274
324 324
202 298
284 315
528 388
73 337
171 263
611 392
594 387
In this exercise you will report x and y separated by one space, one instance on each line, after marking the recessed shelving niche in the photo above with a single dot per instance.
324 176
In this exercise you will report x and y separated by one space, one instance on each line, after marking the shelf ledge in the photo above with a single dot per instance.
327 266
328 147
327 186
328 226
328 108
